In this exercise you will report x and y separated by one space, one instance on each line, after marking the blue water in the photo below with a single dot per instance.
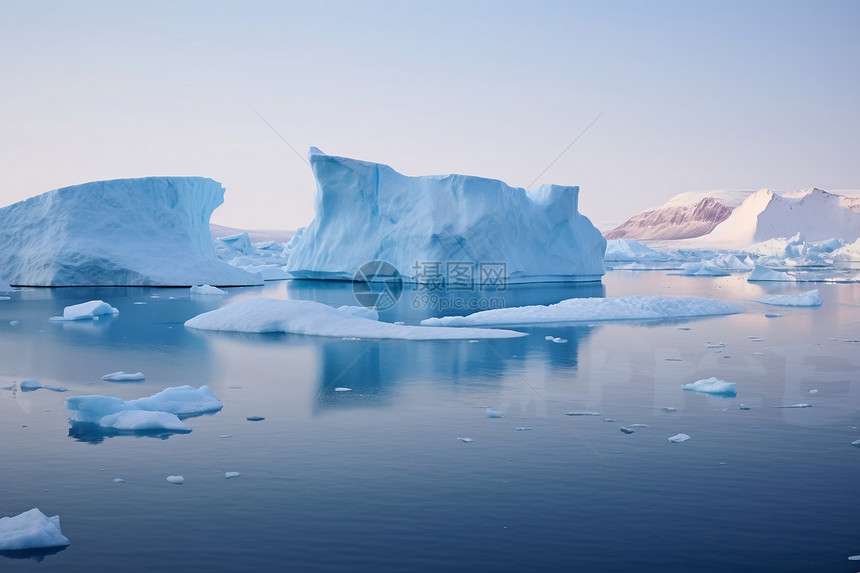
375 479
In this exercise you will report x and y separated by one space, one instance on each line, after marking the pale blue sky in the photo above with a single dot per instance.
698 95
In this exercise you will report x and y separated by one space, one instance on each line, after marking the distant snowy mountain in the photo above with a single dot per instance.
737 218
684 216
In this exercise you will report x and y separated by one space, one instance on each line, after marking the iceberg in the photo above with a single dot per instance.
368 211
679 438
317 319
151 231
181 401
5 288
206 290
594 309
143 421
86 311
31 530
124 377
712 386
32 385
630 250
760 273
808 298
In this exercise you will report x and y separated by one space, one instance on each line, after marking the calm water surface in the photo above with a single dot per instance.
375 479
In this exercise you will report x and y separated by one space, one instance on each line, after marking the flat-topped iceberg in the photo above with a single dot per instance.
86 311
712 386
594 309
808 298
317 319
31 530
368 211
151 231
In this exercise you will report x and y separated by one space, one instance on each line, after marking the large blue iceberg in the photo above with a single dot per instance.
152 231
368 211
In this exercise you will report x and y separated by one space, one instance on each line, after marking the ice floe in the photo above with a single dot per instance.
313 318
181 401
31 530
712 386
207 290
765 274
594 309
178 480
231 475
494 413
86 310
808 298
465 440
143 421
678 438
31 385
124 377
582 414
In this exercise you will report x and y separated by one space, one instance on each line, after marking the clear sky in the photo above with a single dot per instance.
697 95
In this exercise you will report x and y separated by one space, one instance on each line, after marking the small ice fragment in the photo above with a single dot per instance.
683 328
231 475
526 429
466 440
548 337
717 345
556 340
474 341
255 418
582 414
14 322
206 289
610 420
669 410
494 413
638 426
626 430
745 407
772 315
226 436
672 359
140 302
399 322
814 391
796 406
712 386
854 558
118 480
678 438
123 377
31 530
342 389
856 443
178 480
755 338
31 385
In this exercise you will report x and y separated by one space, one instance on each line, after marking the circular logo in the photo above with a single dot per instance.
377 285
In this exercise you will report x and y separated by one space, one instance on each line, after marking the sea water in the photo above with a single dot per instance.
357 466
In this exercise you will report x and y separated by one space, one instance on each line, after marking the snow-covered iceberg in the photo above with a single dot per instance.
317 319
368 211
630 250
31 530
594 309
712 386
150 231
808 298
86 311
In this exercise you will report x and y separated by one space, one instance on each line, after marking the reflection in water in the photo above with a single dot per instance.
36 555
370 368
419 302
94 434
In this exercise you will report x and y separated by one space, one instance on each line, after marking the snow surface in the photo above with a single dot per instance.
808 298
143 420
150 231
712 386
313 318
123 377
86 311
368 211
31 530
593 309
182 401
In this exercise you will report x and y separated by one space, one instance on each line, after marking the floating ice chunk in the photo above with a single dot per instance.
14 322
630 250
526 429
610 420
360 311
342 389
772 315
808 298
703 269
590 309
766 274
494 413
466 440
796 406
582 414
206 290
678 438
313 318
638 426
86 310
178 480
255 418
717 345
712 386
814 391
143 421
669 410
626 430
31 385
856 443
31 530
231 475
123 377
556 340
182 401
745 407
755 338
5 288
